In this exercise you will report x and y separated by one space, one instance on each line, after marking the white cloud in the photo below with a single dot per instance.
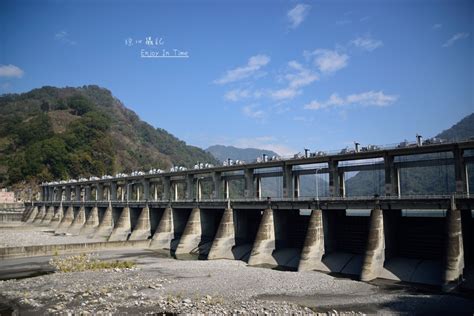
437 26
252 112
298 14
328 61
297 77
63 37
456 37
237 94
343 22
370 98
367 43
11 71
254 64
264 142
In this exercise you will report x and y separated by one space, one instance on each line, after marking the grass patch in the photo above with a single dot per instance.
87 262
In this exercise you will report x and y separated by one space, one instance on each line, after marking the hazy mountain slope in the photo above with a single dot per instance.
222 153
271 186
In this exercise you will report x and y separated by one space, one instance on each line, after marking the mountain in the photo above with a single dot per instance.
426 180
222 153
56 133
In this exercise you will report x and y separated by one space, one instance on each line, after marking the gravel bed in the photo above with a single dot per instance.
164 285
31 236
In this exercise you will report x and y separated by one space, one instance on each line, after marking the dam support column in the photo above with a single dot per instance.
190 190
142 229
92 222
78 191
188 247
264 244
164 233
49 215
106 225
41 214
313 248
460 172
334 187
67 193
287 181
123 227
249 188
58 216
224 240
78 222
454 260
146 189
392 178
113 191
218 187
66 221
374 257
166 196
32 215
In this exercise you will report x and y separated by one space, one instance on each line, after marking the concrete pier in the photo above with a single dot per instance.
142 229
32 215
123 227
188 247
374 257
66 221
224 240
454 260
313 249
91 223
26 213
264 244
41 214
164 234
48 216
58 216
106 225
78 222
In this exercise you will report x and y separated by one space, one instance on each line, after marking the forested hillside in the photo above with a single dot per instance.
57 133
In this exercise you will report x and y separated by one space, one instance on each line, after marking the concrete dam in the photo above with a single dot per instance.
189 214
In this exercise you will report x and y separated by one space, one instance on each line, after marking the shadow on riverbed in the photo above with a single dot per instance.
397 298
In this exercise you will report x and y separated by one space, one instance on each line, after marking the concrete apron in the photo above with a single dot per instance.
66 221
188 247
161 240
142 229
78 222
106 226
225 238
123 228
92 222
264 244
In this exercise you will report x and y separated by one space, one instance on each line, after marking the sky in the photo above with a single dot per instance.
278 75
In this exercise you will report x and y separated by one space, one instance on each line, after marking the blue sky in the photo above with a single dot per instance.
280 75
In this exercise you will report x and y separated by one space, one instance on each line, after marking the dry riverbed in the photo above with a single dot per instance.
22 235
164 285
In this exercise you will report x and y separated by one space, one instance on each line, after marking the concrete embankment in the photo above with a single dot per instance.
46 250
11 212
